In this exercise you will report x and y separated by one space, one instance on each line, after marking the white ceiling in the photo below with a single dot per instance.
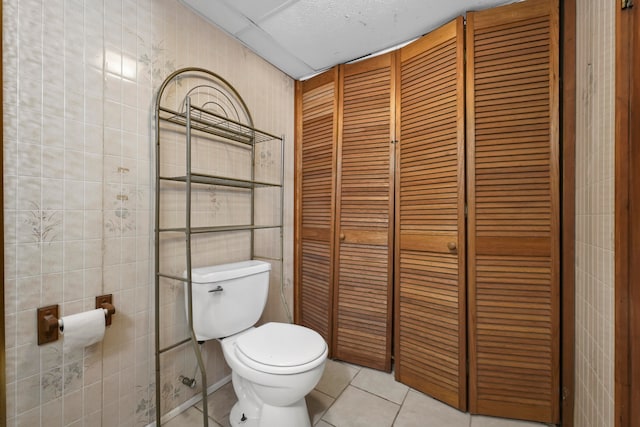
304 37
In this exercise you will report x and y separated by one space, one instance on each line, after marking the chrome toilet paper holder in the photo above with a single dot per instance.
49 322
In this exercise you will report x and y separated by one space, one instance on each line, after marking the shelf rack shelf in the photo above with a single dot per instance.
218 229
219 180
210 106
215 124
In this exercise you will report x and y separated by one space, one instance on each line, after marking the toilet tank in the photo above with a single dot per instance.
228 298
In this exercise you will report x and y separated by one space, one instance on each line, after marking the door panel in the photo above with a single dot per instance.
364 232
430 281
316 127
513 184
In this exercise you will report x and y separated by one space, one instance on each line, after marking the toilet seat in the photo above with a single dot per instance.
281 348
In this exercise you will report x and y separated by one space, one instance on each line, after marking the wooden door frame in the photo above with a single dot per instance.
627 212
3 378
568 162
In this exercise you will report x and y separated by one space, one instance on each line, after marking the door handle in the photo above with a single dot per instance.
342 237
452 246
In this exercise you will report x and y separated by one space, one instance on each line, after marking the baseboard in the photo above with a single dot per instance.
189 403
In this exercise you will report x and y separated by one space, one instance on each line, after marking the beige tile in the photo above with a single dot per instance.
482 421
51 414
220 403
419 410
323 423
357 408
317 404
110 415
29 418
72 407
381 384
28 394
336 377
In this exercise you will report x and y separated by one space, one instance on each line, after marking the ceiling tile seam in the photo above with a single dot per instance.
265 16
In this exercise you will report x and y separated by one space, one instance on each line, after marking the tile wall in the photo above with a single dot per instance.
594 400
79 82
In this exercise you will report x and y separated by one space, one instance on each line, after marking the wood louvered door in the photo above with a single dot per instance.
430 346
513 226
316 131
363 274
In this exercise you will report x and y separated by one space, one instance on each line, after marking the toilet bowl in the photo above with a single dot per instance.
274 366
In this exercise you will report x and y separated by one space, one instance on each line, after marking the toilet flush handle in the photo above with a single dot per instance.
216 289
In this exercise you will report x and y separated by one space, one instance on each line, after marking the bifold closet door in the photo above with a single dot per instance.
316 135
513 227
430 248
364 231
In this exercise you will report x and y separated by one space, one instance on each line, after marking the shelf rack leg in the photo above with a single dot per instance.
194 341
156 276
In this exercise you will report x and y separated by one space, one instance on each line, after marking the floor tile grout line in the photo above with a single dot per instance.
323 393
401 405
374 395
365 391
350 384
338 396
381 397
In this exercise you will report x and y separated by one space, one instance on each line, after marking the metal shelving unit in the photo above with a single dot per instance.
210 107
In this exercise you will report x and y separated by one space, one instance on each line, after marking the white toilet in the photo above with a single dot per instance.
274 365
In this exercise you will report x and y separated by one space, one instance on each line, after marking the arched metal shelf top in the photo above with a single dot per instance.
216 107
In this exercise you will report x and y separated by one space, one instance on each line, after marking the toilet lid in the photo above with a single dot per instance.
281 345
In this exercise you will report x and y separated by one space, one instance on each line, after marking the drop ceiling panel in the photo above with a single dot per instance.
333 32
262 42
303 37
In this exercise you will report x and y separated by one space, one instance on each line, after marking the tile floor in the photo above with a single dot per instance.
352 396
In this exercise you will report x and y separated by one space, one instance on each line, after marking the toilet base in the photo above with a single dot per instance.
295 415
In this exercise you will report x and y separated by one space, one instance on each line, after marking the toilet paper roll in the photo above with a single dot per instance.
83 329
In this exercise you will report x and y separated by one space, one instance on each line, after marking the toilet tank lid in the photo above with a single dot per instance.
222 272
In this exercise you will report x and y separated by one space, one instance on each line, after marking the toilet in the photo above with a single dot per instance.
275 365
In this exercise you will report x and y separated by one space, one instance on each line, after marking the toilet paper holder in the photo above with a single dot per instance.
49 321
